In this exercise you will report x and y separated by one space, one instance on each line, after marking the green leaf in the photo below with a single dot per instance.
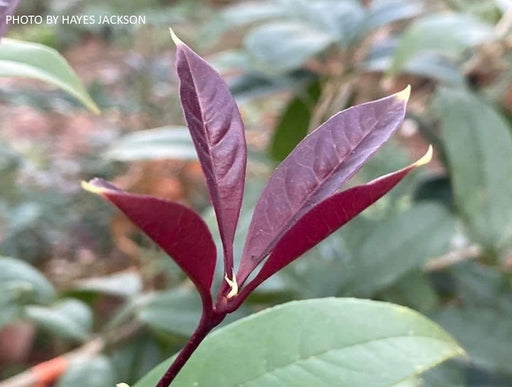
484 332
384 12
278 47
396 246
446 34
322 342
170 142
478 144
124 284
294 123
175 311
24 283
23 59
92 372
69 318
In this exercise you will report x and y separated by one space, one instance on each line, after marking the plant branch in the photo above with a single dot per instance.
453 257
207 323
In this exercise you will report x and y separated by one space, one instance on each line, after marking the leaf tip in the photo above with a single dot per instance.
404 94
234 287
177 41
96 186
426 158
122 385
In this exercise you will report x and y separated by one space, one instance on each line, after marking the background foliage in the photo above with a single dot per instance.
440 243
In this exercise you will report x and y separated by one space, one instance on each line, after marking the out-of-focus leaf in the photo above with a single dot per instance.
450 373
317 167
382 12
322 342
24 282
446 34
326 217
126 284
250 12
279 47
91 372
249 86
22 59
478 144
294 123
413 290
174 311
436 188
154 144
430 65
217 130
342 20
7 8
490 350
135 358
69 318
396 246
179 231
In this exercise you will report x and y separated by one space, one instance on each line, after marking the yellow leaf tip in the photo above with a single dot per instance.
88 186
177 41
234 287
404 94
426 158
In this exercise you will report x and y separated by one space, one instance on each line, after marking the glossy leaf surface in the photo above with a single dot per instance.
23 59
317 167
179 231
322 342
327 217
218 134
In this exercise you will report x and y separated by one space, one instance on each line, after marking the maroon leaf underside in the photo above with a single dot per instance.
325 218
179 231
218 134
7 8
317 167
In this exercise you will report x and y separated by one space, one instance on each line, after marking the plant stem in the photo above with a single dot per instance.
207 323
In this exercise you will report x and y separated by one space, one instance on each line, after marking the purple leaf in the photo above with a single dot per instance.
317 167
218 134
326 217
179 231
7 8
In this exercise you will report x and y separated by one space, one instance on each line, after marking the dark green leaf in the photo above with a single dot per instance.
478 144
294 123
396 246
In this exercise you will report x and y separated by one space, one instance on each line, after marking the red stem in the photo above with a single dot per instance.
208 322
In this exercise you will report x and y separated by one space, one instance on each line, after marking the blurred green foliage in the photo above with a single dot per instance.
440 243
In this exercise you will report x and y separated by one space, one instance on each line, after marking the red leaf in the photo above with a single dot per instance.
218 134
179 231
317 167
326 217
